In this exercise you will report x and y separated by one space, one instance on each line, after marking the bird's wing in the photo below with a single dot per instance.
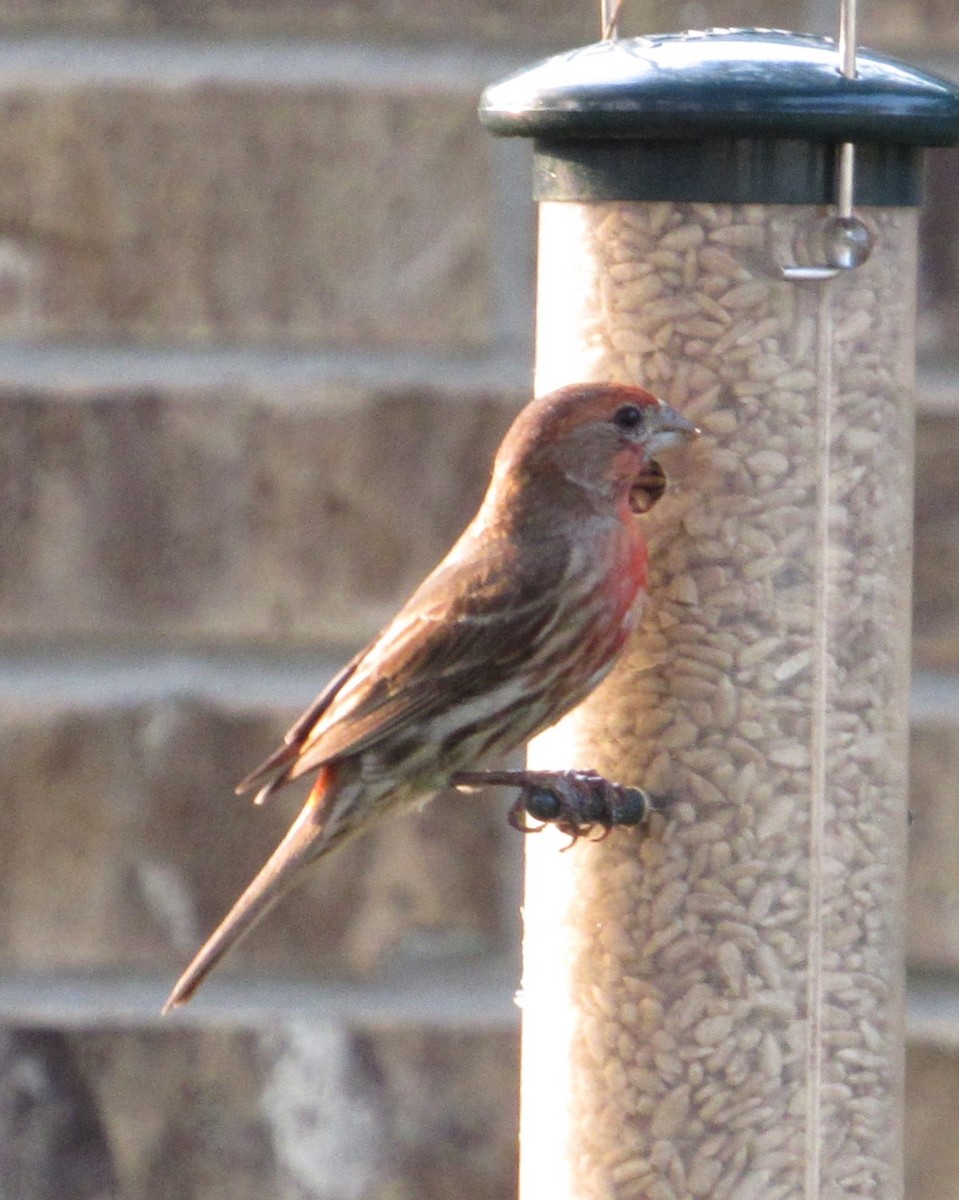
468 629
294 737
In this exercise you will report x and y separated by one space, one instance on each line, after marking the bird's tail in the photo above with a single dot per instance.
298 847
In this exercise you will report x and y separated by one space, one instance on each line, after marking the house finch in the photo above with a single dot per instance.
518 623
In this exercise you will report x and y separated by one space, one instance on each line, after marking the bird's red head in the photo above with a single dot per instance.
597 437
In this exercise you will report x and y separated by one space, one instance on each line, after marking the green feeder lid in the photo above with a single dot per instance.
723 82
737 115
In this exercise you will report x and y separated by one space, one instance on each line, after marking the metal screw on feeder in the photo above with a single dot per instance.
715 1008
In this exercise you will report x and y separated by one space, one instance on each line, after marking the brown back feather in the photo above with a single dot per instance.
467 629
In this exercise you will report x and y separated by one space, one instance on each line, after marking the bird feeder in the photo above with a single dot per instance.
713 1007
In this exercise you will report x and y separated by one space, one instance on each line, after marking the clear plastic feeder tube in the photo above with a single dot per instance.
713 1008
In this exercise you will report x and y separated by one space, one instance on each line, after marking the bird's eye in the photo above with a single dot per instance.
628 417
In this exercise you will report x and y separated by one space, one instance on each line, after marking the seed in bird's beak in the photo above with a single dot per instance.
649 488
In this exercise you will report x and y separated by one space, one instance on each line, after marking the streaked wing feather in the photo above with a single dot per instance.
467 629
305 722
295 736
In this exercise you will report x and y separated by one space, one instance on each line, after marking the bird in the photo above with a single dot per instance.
516 625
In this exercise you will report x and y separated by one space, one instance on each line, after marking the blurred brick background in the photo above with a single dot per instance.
265 308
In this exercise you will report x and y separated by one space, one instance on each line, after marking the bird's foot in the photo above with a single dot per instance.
576 802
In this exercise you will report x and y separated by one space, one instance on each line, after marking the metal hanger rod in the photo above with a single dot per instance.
847 64
847 38
609 11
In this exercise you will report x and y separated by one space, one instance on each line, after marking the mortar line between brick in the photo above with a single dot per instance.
512 233
934 697
55 674
474 995
49 676
932 1010
65 59
72 368
51 60
69 369
479 997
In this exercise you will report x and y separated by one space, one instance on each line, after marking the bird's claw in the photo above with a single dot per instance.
576 802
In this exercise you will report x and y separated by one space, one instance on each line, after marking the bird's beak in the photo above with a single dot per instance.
670 429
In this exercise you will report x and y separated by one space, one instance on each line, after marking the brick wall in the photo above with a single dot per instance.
264 312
